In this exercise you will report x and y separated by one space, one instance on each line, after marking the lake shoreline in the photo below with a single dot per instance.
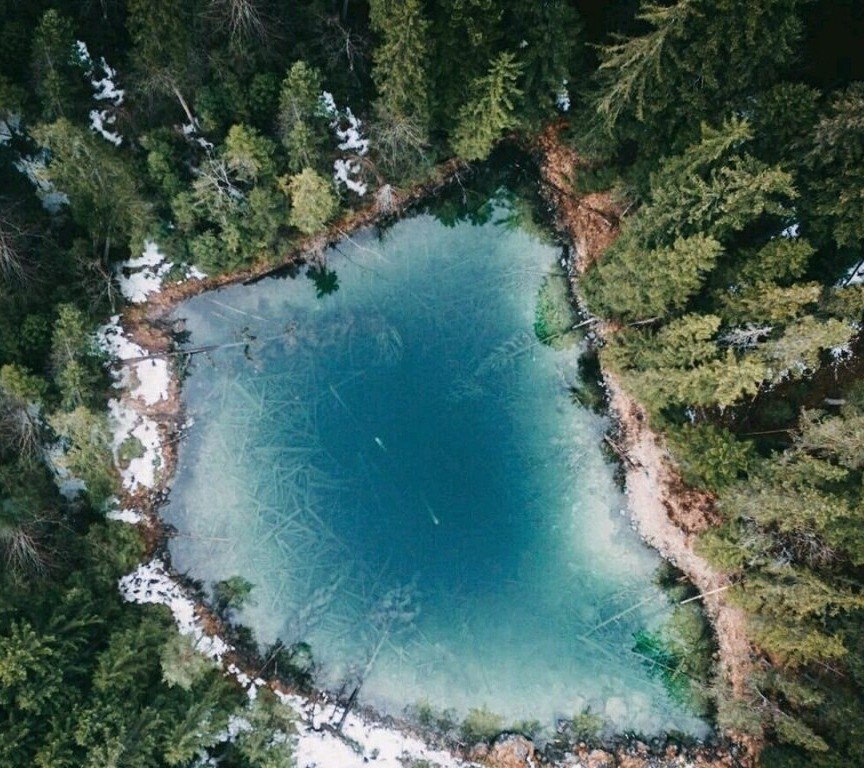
667 514
147 324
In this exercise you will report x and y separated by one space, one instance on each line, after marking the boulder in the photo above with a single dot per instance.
511 751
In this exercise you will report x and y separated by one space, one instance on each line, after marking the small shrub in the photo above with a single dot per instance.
481 724
586 726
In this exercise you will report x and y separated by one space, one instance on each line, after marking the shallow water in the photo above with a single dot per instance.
405 479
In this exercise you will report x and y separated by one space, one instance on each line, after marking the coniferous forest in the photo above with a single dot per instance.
730 135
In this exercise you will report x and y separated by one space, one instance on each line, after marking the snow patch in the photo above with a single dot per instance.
562 99
140 277
351 138
316 743
104 89
148 380
99 118
855 276
345 172
34 169
129 516
347 128
190 131
318 746
127 423
150 583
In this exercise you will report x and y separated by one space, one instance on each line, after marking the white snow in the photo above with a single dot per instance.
562 100
347 128
328 105
151 583
855 276
104 89
140 277
791 231
99 118
316 744
151 377
128 423
344 170
125 516
84 58
351 138
190 130
151 381
34 169
193 273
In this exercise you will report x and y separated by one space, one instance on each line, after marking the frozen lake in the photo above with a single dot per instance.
399 468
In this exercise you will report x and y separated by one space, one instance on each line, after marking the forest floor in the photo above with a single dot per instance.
667 513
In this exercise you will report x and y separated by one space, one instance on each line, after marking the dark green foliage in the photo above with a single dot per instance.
55 71
681 654
490 110
554 316
730 49
481 724
231 594
301 122
837 158
103 190
710 457
400 63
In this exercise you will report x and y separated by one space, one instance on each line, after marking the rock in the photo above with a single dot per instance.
511 751
632 761
597 758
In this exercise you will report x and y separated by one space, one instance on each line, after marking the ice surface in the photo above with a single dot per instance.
404 478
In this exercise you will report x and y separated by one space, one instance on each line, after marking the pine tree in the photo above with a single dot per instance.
301 123
56 79
491 110
400 60
313 201
103 191
635 283
248 154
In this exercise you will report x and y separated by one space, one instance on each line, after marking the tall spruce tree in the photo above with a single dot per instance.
491 109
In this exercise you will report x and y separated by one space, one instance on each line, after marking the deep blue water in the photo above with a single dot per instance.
399 468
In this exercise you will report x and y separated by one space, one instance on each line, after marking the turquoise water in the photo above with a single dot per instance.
399 468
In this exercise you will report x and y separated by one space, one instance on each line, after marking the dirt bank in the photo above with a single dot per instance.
667 513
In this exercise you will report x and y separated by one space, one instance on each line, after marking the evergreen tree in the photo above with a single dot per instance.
103 191
313 202
491 110
57 83
400 60
301 123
